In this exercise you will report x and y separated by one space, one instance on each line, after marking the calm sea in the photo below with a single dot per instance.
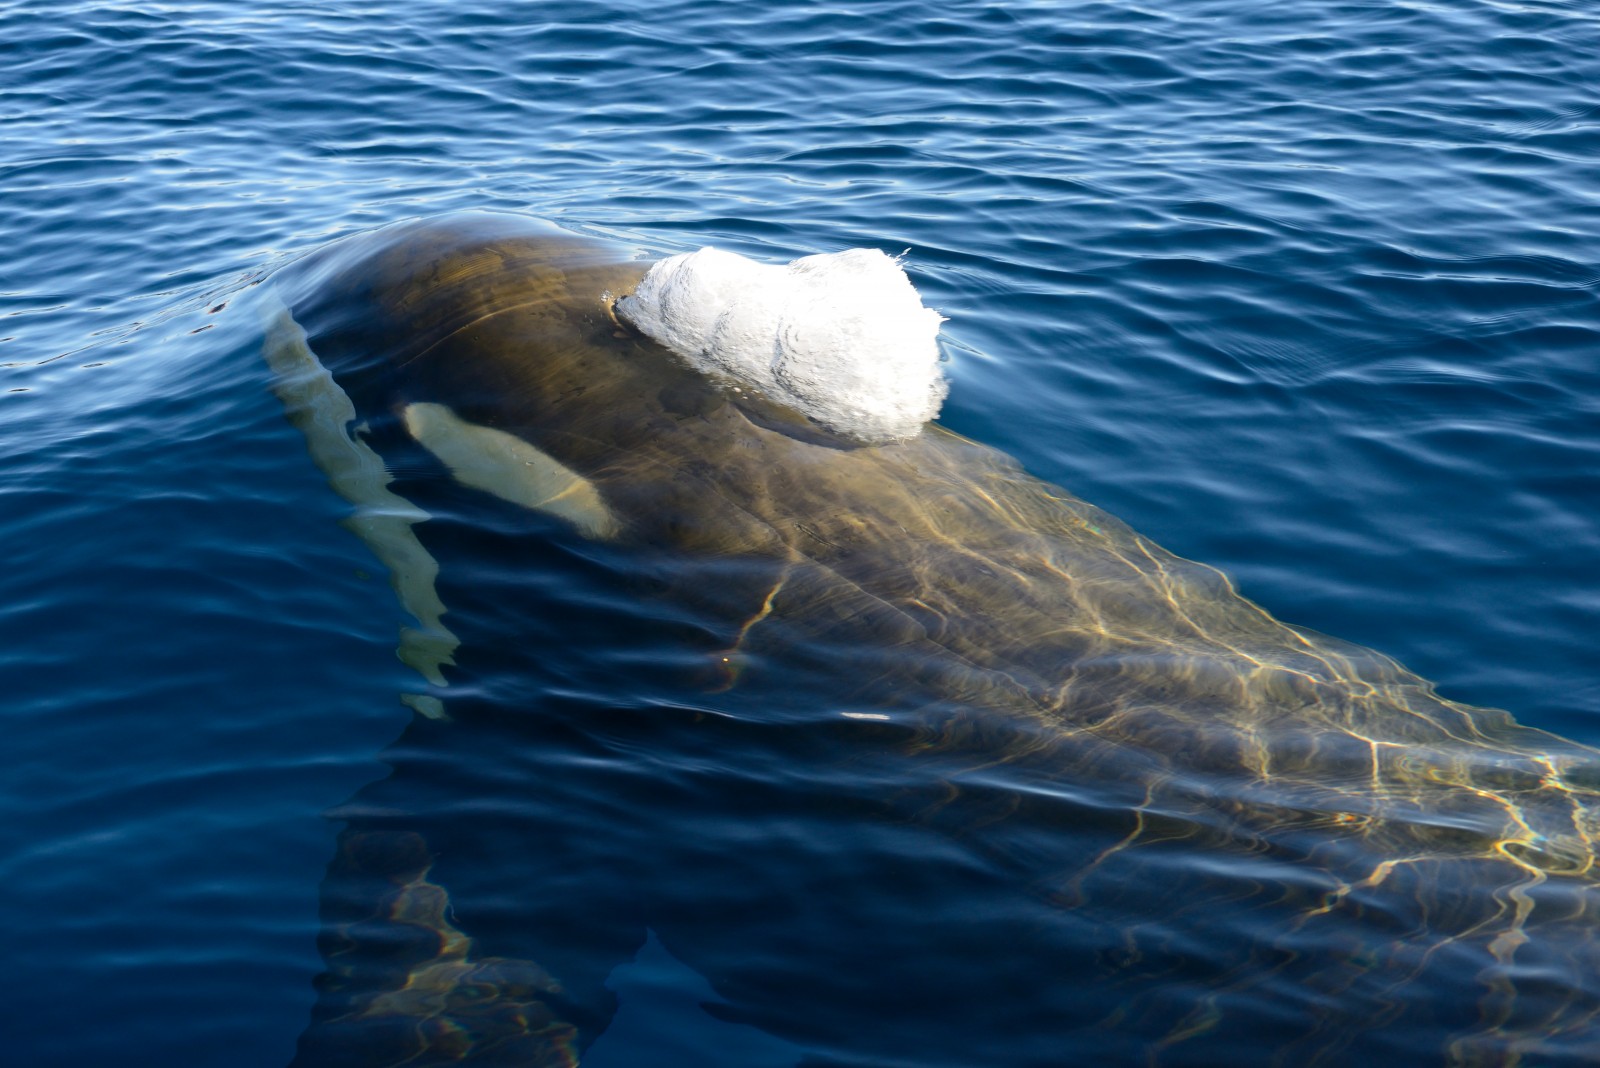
1306 290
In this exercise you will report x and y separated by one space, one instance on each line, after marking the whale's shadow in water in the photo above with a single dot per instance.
915 759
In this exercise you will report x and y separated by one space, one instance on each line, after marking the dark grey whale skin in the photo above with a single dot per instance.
960 606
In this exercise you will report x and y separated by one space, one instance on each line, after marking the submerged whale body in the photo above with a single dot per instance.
1279 842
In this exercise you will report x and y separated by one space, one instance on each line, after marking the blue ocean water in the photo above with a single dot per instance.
1307 291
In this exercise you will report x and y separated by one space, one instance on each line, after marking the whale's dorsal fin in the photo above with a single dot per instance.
510 468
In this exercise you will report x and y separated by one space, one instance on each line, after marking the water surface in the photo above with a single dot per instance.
1309 297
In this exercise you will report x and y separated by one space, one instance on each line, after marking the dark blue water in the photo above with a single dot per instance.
1307 291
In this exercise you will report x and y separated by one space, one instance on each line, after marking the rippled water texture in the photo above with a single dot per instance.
1306 291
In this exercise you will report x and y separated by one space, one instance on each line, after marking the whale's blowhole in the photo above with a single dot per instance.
843 338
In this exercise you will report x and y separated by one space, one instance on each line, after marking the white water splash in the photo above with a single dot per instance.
843 338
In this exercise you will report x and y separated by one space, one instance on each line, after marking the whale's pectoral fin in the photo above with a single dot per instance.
405 986
509 468
322 411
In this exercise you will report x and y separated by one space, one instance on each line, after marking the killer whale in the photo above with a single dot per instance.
932 585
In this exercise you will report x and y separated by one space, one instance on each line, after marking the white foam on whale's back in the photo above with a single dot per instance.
843 338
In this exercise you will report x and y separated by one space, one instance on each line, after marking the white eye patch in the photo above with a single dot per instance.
503 464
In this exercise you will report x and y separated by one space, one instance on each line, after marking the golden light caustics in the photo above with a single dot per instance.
963 594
